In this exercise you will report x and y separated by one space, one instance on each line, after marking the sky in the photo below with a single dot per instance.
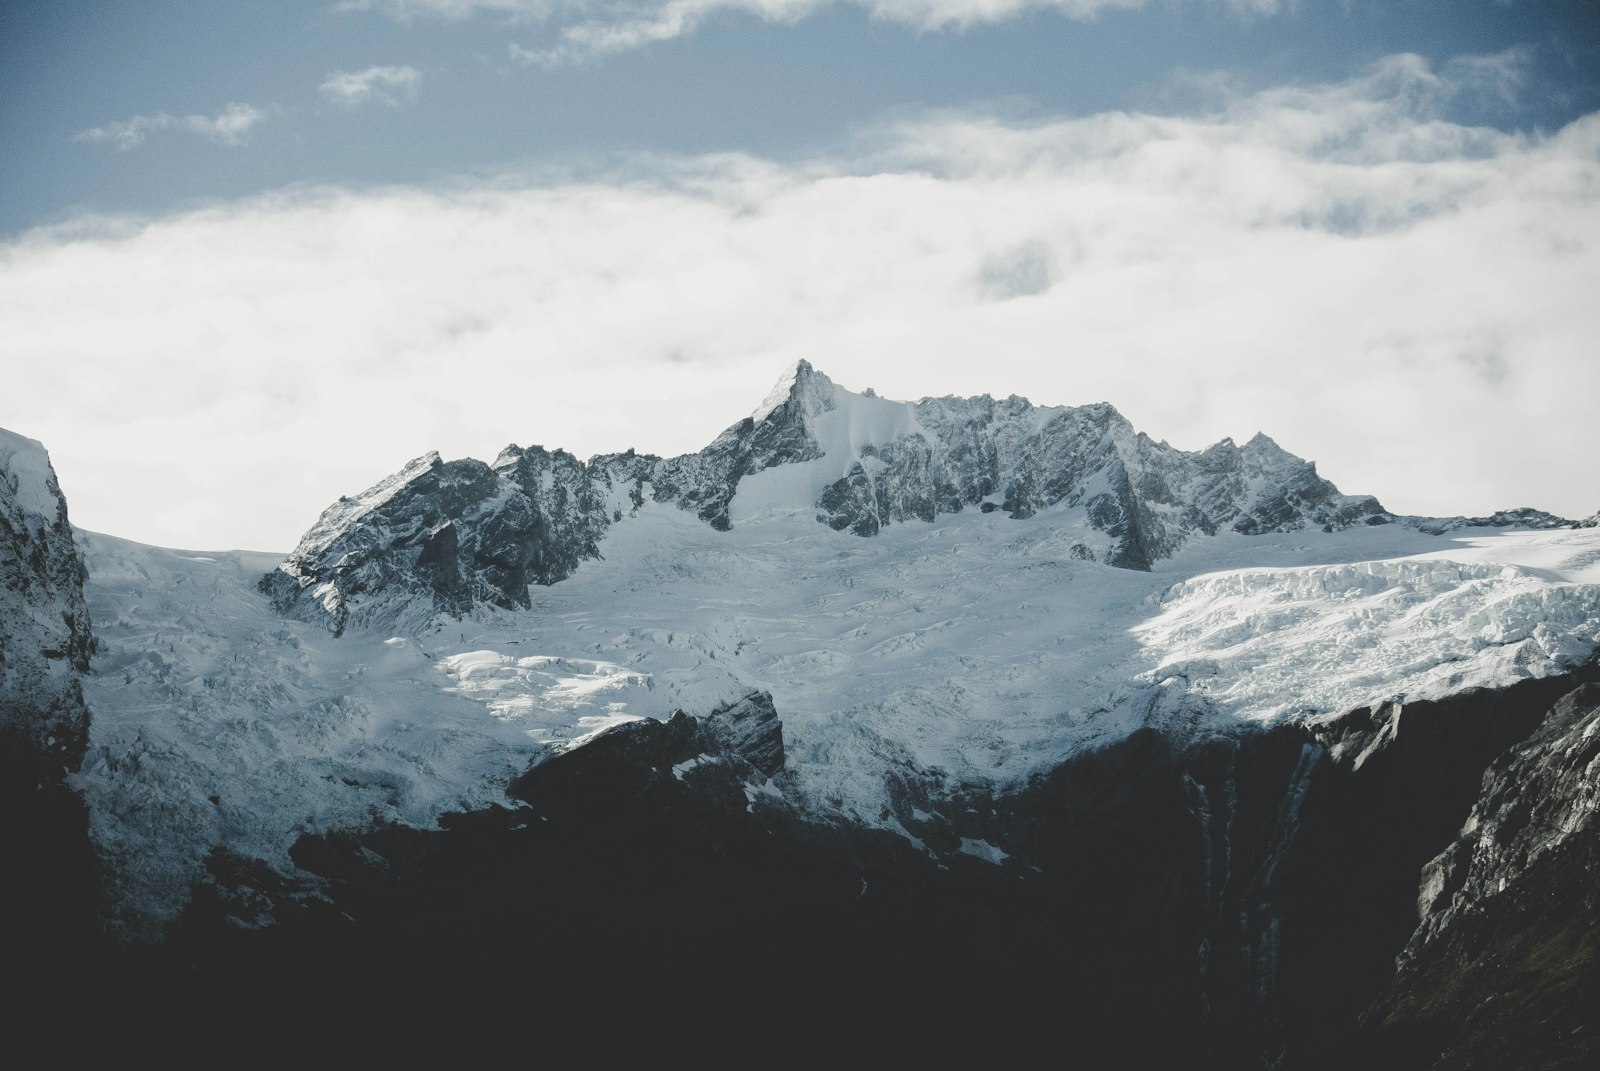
257 255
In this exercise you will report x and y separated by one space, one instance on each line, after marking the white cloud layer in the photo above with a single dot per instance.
392 85
1406 300
229 127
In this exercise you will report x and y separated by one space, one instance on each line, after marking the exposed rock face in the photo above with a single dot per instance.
1503 971
443 537
1536 798
1147 496
750 729
44 623
1522 517
440 538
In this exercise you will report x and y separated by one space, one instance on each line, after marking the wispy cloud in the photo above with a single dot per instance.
584 29
593 28
520 10
1337 265
393 85
229 127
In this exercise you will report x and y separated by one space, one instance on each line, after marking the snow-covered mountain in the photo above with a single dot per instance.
957 650
449 536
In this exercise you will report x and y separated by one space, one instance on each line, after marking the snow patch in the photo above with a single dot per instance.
982 849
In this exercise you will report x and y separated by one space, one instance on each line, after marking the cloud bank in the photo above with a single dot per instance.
229 127
1407 300
392 85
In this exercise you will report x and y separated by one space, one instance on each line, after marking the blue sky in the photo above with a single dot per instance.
738 82
322 238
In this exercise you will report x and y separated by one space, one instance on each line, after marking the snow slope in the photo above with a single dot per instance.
971 649
216 722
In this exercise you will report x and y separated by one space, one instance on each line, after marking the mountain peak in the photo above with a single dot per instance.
801 383
1262 441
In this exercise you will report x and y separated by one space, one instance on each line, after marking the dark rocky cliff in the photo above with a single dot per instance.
1504 969
48 890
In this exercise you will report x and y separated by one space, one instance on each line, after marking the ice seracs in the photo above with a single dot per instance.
1267 643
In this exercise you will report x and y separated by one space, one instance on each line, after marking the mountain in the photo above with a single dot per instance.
463 534
970 728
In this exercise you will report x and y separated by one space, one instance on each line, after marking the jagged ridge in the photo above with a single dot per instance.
440 538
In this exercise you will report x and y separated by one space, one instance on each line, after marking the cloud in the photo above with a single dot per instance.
591 28
229 127
585 29
517 10
1020 272
609 29
1404 299
394 86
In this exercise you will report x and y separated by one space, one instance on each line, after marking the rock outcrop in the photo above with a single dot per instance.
749 728
739 742
1522 517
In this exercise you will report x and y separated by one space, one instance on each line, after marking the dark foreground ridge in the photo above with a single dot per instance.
1236 902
